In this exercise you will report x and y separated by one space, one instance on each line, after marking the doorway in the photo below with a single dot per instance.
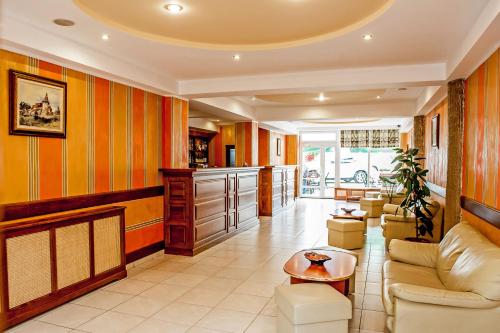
318 170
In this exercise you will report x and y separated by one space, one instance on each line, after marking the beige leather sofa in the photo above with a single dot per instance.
453 286
396 226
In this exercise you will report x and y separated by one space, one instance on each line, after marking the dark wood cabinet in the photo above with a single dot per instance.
206 206
278 190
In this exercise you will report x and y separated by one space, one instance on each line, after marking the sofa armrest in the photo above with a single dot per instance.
392 209
399 218
420 254
443 297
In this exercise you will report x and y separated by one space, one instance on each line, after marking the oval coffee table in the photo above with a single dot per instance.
335 272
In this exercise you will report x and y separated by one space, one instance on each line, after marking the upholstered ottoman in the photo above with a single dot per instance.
312 308
372 206
346 233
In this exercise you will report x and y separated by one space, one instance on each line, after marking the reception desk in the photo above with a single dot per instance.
205 206
278 188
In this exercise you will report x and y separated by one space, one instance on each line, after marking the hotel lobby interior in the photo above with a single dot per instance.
264 166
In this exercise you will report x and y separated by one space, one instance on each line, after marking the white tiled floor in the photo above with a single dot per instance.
228 288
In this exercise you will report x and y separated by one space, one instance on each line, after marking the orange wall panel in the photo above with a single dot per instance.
264 143
102 126
481 171
138 138
437 157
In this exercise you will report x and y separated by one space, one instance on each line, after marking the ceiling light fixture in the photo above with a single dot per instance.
321 97
367 37
379 97
236 57
64 22
254 98
105 37
173 8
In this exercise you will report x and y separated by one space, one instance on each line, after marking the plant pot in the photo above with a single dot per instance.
417 240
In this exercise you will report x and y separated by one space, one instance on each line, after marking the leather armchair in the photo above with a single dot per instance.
397 226
452 286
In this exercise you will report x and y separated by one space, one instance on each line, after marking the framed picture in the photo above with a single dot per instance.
435 131
278 146
37 105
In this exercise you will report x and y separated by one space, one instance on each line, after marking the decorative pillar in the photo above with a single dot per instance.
291 149
175 132
418 139
247 143
456 106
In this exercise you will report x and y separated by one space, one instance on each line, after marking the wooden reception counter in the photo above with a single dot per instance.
206 206
278 188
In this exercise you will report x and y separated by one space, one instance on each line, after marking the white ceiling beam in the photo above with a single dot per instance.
225 107
339 79
374 110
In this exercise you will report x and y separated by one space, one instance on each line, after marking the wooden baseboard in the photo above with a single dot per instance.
144 252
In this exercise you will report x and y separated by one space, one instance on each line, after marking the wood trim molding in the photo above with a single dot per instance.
145 251
488 214
27 209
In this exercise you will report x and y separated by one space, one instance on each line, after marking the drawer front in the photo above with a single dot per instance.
210 228
247 182
232 201
277 190
209 208
247 214
277 177
207 188
290 175
232 183
247 198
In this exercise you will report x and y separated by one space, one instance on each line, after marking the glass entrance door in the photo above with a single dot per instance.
318 170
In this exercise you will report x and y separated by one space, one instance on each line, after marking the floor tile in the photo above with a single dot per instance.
111 322
199 296
70 315
38 327
263 324
129 286
152 275
356 301
271 309
373 302
235 273
256 288
196 329
373 288
355 321
186 280
217 283
165 292
226 320
102 299
373 320
141 306
182 313
202 269
152 325
243 303
172 266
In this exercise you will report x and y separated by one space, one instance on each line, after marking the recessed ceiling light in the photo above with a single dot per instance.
236 57
254 98
379 97
173 8
217 120
105 37
321 97
367 36
64 22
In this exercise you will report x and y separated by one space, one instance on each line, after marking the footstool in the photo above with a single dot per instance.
375 195
312 308
346 233
372 206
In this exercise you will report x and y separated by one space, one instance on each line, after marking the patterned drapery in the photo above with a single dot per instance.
354 138
383 138
388 138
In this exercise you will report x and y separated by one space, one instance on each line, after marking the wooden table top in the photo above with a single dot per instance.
340 267
357 214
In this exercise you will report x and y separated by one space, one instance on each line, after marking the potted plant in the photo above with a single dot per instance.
411 175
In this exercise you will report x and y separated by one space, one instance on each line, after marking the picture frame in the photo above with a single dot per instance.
435 131
278 147
37 105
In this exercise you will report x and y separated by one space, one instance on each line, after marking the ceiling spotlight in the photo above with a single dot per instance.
105 37
367 37
217 120
321 97
64 22
173 8
236 57
379 97
254 98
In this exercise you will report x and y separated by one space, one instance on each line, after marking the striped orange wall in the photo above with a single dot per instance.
437 157
217 145
246 143
481 162
115 141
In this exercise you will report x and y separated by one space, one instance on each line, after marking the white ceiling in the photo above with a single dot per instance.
417 45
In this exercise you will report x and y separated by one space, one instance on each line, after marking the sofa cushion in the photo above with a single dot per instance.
477 270
459 238
398 272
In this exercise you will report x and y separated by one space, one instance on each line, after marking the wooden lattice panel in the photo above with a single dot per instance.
73 254
29 268
107 253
